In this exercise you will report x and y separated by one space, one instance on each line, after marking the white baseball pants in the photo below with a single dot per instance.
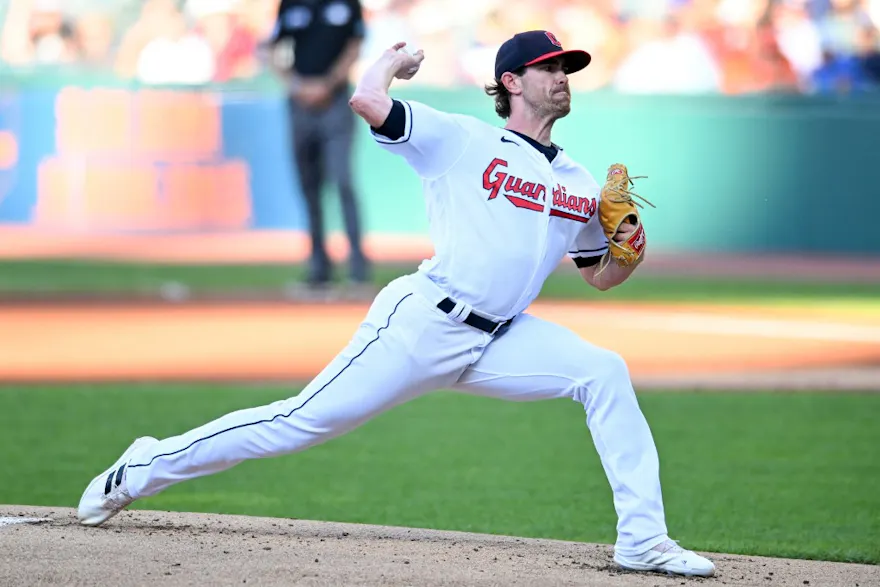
407 347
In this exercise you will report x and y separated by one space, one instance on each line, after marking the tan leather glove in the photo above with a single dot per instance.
616 205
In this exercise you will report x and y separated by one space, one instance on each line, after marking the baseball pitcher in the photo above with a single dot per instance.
505 205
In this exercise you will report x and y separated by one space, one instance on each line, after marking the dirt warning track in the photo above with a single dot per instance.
666 345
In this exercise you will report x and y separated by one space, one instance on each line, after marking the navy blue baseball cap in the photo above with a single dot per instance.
533 47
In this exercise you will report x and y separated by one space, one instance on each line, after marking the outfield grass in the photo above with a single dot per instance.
43 277
791 475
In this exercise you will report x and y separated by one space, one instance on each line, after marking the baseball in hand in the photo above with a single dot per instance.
414 60
414 54
412 70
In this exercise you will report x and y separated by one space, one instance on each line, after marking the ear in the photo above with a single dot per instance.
512 82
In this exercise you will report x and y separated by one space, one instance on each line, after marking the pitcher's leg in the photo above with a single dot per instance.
363 380
514 367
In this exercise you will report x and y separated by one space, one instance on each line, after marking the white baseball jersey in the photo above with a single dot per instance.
501 216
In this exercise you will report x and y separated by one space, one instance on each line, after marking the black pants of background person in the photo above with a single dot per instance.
871 63
322 145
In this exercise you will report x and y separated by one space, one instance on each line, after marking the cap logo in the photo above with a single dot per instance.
553 39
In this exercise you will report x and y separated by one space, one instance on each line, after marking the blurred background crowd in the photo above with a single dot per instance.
641 46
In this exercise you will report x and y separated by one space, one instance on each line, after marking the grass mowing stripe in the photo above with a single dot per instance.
119 278
770 474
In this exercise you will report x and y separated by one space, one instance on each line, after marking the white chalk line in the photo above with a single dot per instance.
6 521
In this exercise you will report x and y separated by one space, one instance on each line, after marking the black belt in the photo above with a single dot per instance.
484 324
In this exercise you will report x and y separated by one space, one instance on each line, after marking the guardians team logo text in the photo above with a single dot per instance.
532 195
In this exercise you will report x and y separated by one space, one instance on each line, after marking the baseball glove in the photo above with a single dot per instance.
616 205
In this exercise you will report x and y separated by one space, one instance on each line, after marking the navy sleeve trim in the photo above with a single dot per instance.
582 262
394 126
578 251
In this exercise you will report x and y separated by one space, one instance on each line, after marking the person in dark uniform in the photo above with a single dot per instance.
325 37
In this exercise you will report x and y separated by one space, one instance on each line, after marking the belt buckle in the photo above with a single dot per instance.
501 327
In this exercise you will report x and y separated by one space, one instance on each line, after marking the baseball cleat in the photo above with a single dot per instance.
668 557
107 494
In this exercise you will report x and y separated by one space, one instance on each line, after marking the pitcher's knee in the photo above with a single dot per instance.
604 365
607 372
614 366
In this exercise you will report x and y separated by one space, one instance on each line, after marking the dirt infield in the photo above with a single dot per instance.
708 346
160 548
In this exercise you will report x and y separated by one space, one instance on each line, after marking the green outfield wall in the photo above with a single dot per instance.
753 174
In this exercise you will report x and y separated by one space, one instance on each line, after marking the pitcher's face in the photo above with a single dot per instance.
545 89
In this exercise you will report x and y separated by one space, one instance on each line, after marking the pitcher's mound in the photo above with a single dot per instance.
166 548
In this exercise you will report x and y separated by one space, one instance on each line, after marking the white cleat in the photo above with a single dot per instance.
107 494
668 557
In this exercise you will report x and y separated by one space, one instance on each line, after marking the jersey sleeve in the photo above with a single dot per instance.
589 245
431 142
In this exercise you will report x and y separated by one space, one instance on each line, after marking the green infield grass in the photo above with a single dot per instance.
792 475
84 277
